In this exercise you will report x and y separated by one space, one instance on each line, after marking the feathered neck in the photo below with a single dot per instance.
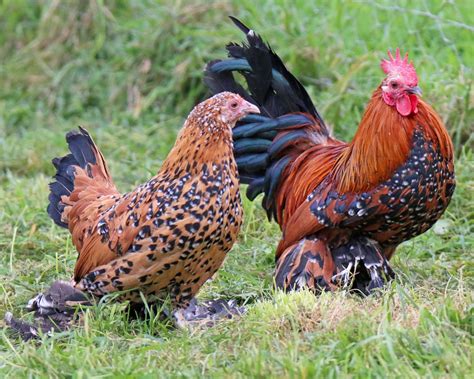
383 142
198 144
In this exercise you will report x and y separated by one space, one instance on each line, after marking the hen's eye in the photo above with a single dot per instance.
394 85
234 105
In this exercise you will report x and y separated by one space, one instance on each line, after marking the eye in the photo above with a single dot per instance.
234 104
394 85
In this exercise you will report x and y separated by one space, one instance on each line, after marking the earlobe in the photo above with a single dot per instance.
388 100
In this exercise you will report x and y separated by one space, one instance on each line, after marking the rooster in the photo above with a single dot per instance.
169 235
343 208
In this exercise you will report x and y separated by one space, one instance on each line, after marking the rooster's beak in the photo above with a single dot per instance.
415 90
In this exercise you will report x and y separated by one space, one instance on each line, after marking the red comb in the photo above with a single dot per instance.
399 66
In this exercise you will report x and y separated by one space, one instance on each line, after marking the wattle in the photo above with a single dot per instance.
407 104
414 103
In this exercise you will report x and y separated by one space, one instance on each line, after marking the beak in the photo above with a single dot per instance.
249 108
414 90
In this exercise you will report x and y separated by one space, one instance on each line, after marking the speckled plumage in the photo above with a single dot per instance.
169 235
396 210
343 207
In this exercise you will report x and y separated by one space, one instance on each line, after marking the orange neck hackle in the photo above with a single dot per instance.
383 142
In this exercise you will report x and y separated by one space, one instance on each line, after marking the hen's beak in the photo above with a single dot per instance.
415 90
249 108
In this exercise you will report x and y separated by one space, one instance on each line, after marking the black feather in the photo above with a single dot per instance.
240 24
251 145
274 88
82 154
270 135
281 143
255 188
275 124
252 162
223 81
229 65
81 147
244 130
273 178
247 178
283 103
253 118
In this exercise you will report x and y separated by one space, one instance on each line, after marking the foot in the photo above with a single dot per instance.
207 314
361 266
54 311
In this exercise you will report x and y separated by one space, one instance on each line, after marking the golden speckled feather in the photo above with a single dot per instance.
169 235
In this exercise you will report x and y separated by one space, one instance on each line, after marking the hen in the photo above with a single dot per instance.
343 207
169 235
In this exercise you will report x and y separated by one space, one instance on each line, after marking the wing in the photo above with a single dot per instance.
106 226
390 213
325 208
147 231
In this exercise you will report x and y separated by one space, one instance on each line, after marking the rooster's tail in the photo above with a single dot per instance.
78 173
265 145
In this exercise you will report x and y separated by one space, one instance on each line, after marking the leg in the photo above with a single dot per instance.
357 264
55 310
305 264
362 259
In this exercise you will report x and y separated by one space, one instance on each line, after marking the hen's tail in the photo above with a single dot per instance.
84 171
265 145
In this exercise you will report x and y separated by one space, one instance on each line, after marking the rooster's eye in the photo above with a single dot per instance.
394 85
234 105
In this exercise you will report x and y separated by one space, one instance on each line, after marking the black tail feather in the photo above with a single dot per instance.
81 146
224 81
275 90
82 150
240 24
283 102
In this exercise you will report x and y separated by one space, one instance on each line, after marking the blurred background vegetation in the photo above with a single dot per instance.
130 71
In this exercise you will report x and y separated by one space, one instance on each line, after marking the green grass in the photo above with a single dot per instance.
130 71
